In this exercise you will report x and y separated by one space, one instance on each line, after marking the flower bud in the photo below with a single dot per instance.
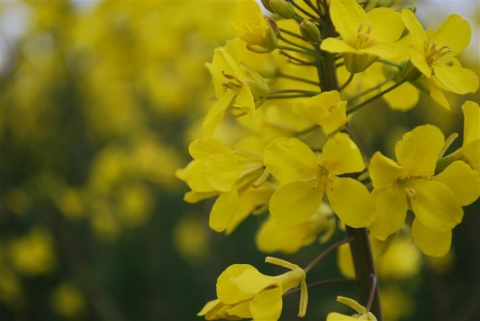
266 4
411 8
384 3
283 8
310 31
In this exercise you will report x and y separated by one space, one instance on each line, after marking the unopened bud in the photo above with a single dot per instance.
310 31
411 8
266 4
283 8
384 3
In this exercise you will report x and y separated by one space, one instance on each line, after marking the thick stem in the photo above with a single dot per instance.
364 269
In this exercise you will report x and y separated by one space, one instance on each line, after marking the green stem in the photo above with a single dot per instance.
325 253
368 101
349 80
309 53
293 91
320 283
299 79
362 256
280 37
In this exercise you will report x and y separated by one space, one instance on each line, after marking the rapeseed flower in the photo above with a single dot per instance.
304 178
244 292
236 85
365 36
410 184
432 53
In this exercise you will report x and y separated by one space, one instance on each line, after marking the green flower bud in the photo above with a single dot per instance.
283 8
310 31
411 8
266 4
384 3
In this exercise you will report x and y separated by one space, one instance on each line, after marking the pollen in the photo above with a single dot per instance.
433 52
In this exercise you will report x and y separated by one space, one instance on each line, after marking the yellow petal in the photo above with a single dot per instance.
351 201
194 176
454 32
222 171
334 316
383 171
244 102
223 211
252 282
417 33
385 50
435 205
471 125
341 155
209 306
431 242
347 15
216 113
326 109
455 79
295 202
462 180
289 159
267 305
419 150
338 45
387 26
391 205
436 92
402 98
345 261
227 291
200 149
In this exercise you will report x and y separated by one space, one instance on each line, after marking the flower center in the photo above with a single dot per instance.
233 83
363 39
433 52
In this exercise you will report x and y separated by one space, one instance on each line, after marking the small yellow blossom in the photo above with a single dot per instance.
235 84
365 36
243 292
304 178
410 184
433 53
326 110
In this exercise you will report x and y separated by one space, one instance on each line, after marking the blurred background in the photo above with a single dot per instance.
98 103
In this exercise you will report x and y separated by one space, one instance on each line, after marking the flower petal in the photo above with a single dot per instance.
338 45
419 150
454 32
383 171
391 204
222 171
227 291
347 15
295 202
455 79
289 159
341 155
431 242
267 305
462 180
216 112
351 201
252 282
402 98
417 33
471 124
223 211
387 26
435 205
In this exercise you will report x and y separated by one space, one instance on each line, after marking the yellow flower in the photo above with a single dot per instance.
326 110
304 178
235 84
365 36
230 173
362 313
243 292
432 53
436 200
252 27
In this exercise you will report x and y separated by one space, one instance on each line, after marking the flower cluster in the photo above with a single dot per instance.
277 139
